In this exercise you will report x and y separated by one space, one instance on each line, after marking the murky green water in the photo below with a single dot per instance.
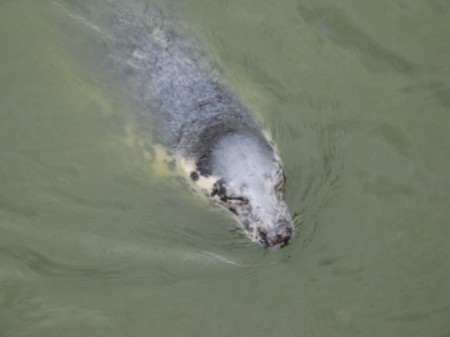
98 240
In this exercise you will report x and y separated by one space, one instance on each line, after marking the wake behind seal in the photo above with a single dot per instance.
212 134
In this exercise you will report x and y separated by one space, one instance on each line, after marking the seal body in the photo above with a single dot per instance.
215 137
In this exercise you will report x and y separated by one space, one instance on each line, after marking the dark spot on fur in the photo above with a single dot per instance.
194 176
203 165
233 210
263 236
219 190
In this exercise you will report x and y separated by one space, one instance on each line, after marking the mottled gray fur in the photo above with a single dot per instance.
195 114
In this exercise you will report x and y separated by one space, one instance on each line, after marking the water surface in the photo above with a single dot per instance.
97 238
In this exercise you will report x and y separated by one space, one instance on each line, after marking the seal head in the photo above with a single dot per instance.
246 176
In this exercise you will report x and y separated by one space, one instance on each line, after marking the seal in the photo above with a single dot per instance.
211 132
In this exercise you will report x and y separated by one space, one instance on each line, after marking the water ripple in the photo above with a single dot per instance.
332 23
43 265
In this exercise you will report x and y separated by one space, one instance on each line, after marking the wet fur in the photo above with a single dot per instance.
195 114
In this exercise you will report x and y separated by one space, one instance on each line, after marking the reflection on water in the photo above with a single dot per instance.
101 236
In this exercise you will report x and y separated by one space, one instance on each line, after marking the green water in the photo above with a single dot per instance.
98 240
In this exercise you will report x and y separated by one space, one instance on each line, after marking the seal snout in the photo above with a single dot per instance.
278 238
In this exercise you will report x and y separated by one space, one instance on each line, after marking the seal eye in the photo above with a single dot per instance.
237 200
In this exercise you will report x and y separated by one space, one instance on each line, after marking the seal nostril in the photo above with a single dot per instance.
286 241
283 238
278 240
